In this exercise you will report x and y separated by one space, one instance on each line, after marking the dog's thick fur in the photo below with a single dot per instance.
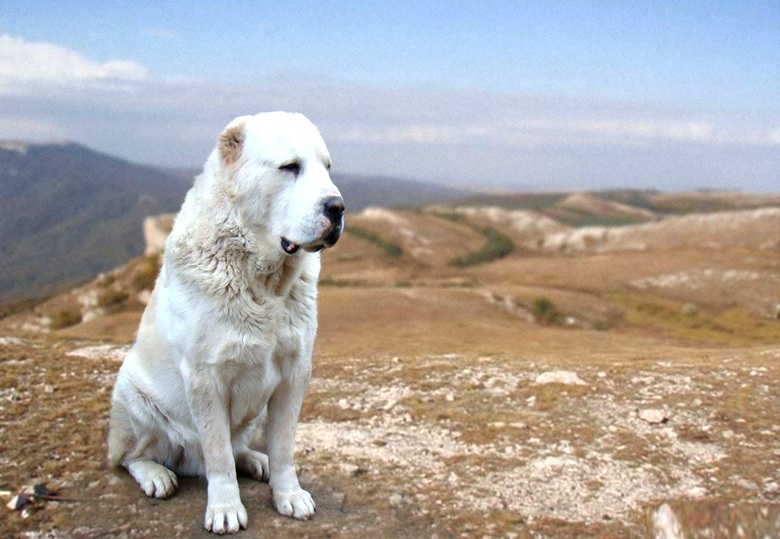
228 332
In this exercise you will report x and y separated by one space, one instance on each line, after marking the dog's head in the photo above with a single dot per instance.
277 170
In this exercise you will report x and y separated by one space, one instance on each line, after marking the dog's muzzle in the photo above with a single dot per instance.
333 210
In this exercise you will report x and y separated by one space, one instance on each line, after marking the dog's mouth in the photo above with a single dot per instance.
290 247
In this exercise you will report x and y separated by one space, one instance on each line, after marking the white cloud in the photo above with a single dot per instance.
675 130
496 138
414 133
29 129
24 63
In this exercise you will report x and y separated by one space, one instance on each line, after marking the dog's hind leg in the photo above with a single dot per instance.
155 480
250 450
128 449
253 463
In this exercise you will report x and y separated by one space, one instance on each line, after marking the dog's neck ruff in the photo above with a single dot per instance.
225 259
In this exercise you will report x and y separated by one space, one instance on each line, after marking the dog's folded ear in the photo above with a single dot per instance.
230 142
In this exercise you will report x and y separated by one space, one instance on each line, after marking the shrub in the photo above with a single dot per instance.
450 216
69 316
111 297
546 312
147 273
390 248
496 246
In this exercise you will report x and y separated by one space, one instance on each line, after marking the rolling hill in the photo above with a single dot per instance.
68 212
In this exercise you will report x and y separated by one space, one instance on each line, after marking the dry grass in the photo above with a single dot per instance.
65 317
731 326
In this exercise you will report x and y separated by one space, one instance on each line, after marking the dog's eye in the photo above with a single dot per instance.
293 167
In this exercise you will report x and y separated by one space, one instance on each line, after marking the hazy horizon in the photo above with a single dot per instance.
496 95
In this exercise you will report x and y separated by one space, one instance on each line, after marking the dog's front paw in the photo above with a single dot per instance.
296 504
225 518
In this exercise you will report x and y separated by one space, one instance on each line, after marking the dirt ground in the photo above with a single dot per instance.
497 429
444 403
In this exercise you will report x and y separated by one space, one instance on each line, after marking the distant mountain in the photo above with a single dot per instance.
360 192
68 212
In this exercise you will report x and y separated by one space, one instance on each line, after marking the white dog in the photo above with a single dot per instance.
228 332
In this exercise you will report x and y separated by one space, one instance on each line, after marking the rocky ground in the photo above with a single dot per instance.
502 444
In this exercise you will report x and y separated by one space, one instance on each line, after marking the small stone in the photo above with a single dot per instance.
353 470
665 524
560 377
449 397
18 502
395 500
697 492
654 415
144 296
48 388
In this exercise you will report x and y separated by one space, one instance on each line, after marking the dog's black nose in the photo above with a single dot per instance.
334 208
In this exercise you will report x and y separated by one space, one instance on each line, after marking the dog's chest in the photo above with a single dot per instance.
272 350
264 323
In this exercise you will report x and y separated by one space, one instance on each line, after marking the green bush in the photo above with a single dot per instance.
496 246
390 248
546 312
450 216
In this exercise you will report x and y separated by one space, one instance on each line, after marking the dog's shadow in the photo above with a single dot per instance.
181 515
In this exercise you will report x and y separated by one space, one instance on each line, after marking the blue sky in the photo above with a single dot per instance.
554 94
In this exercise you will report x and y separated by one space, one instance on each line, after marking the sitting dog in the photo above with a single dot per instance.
226 338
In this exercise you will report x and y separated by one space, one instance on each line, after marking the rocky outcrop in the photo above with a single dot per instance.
751 228
527 228
156 231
